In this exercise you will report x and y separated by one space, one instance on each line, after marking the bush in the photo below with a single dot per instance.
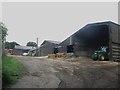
11 70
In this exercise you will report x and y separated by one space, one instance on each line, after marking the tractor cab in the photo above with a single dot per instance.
101 54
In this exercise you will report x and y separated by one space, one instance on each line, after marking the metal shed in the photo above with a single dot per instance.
92 36
47 47
19 50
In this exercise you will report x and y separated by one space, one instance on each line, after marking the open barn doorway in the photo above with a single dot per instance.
92 39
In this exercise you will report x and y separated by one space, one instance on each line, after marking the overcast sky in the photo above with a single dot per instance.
0 11
53 21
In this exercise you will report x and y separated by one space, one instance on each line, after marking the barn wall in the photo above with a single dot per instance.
17 52
114 42
114 33
46 49
64 44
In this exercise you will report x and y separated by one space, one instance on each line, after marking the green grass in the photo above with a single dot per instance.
0 66
0 73
11 70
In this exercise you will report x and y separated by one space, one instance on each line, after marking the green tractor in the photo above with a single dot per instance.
101 54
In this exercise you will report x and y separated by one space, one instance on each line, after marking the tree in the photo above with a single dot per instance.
3 31
10 45
7 45
33 44
3 34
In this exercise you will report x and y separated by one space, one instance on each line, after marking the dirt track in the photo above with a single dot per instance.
69 73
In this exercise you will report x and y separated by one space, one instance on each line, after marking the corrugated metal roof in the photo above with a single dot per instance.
92 24
24 47
55 42
51 41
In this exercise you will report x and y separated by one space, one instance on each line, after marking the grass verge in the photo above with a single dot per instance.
11 70
0 74
0 66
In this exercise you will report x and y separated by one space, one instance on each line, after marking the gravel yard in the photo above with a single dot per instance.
81 72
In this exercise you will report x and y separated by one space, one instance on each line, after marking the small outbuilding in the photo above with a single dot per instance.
19 50
48 47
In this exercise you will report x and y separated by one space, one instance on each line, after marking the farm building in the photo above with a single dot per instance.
91 37
47 47
19 50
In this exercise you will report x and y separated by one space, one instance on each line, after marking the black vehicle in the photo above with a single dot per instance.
101 54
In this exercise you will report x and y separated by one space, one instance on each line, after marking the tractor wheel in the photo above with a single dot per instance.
101 57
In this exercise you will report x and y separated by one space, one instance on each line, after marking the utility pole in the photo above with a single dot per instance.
37 48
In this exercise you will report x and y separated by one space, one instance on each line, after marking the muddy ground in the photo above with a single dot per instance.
81 72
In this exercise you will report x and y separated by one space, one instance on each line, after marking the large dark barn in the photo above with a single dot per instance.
91 37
